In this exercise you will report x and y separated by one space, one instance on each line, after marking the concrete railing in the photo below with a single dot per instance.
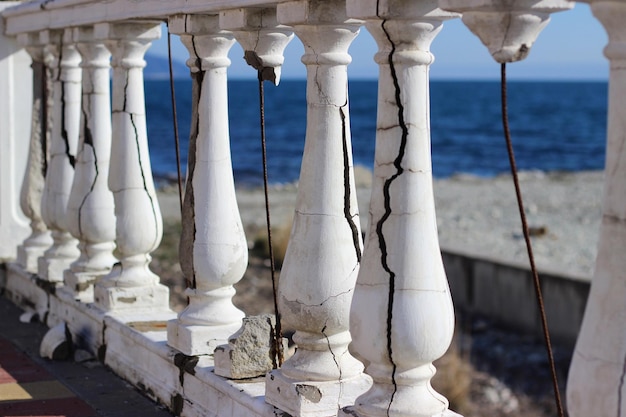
88 190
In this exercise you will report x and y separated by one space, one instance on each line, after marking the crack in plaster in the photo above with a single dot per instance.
387 204
44 4
324 301
330 349
346 186
88 141
44 119
64 136
102 349
198 79
143 177
620 389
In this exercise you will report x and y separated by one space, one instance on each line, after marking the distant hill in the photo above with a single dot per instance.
157 68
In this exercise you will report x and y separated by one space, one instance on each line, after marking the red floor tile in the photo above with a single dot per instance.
65 407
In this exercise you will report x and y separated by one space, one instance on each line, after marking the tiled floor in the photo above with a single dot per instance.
27 389
32 386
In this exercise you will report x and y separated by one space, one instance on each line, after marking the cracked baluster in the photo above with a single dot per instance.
324 251
263 41
39 240
138 229
595 385
262 38
213 248
66 74
402 318
90 211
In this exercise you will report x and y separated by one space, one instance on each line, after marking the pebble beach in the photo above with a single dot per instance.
476 216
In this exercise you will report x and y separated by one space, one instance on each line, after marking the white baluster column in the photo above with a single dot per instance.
261 37
139 228
213 248
90 212
15 107
402 317
596 384
66 122
324 251
39 240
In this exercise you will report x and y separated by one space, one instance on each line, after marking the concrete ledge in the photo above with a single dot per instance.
134 346
504 291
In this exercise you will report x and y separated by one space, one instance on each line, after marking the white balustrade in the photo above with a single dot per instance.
402 293
66 74
596 378
324 251
391 297
90 214
131 285
39 240
213 248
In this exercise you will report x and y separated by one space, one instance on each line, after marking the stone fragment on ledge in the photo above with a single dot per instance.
249 352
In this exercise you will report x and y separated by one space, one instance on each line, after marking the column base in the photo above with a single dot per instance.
81 284
52 269
195 340
313 398
28 257
154 297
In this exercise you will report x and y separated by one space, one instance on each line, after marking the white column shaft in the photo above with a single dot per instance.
63 144
402 317
39 240
90 213
324 251
213 249
139 228
596 378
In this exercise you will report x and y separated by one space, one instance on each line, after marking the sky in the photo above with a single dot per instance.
569 48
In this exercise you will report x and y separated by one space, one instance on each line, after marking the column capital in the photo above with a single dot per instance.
32 43
93 50
507 28
128 41
612 14
207 43
262 38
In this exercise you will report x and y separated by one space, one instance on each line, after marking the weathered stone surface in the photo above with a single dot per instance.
249 352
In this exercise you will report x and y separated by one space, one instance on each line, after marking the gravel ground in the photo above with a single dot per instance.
477 215
500 373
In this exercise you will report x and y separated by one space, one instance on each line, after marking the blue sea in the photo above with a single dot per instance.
556 126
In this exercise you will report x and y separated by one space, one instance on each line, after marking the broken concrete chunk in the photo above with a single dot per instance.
249 352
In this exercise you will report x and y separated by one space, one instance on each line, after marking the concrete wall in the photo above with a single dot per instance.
505 293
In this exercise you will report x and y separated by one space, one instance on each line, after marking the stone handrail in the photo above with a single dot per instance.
89 182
